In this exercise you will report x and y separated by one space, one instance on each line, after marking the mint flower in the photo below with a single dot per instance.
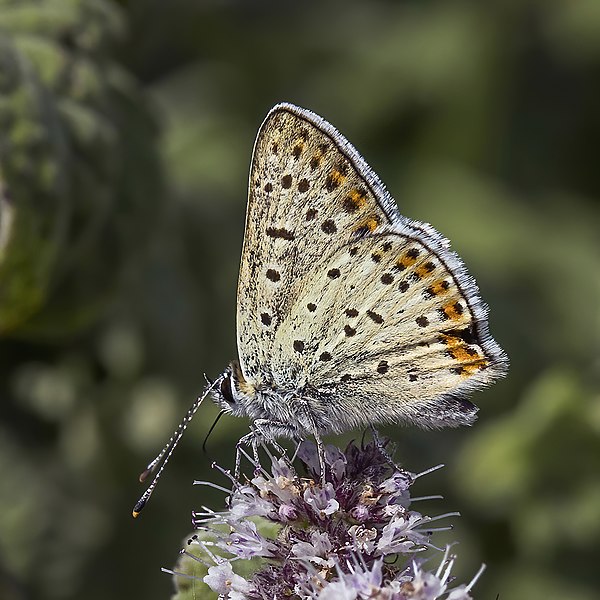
284 535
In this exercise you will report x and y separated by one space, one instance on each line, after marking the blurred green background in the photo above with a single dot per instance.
126 130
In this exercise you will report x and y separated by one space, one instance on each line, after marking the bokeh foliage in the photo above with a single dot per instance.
125 136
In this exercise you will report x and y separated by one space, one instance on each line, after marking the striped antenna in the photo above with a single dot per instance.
167 451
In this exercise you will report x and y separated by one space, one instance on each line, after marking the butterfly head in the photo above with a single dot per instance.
232 392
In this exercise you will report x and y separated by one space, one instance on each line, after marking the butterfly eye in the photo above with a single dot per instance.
226 390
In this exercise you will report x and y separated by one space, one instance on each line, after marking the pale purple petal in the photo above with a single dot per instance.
224 581
322 499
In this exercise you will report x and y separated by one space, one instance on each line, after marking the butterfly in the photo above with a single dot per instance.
349 314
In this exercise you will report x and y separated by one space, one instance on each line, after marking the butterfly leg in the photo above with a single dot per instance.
312 428
247 439
269 430
381 447
297 449
262 430
321 453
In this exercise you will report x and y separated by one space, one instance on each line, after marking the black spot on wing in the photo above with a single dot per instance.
375 317
329 226
422 321
280 232
273 275
383 367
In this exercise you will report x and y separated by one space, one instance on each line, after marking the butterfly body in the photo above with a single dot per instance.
349 314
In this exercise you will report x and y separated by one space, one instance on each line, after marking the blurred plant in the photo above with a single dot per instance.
542 459
80 187
352 537
78 170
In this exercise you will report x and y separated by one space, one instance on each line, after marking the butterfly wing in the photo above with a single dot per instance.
367 313
293 221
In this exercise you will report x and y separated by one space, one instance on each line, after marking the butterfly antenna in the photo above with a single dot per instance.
167 451
217 419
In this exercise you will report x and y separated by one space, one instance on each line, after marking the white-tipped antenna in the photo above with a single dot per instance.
168 450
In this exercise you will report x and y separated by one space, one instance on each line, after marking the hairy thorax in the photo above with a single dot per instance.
289 404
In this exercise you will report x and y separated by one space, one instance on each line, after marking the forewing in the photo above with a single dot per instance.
306 199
